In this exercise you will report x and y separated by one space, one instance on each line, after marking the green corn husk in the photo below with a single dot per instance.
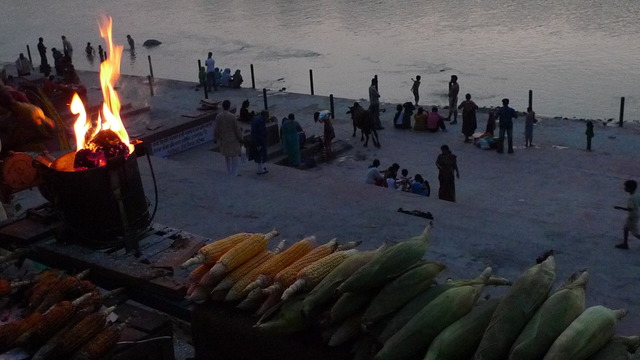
418 302
586 335
349 304
517 307
553 317
460 339
326 289
401 290
618 348
347 331
388 265
284 318
414 338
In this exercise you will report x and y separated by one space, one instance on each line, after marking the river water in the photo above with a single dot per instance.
579 57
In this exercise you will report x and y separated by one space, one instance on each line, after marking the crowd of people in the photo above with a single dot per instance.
212 77
390 179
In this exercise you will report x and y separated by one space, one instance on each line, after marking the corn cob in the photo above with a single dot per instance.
10 332
401 290
416 304
211 252
414 338
7 287
460 339
61 290
618 348
287 276
82 332
325 290
101 344
312 274
349 304
517 307
212 280
51 349
587 334
254 300
348 330
349 245
228 281
196 274
45 282
271 268
390 264
241 253
271 297
553 317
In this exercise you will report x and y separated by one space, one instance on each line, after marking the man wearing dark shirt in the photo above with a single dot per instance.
506 116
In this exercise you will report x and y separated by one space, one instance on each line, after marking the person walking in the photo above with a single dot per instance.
374 102
210 64
469 123
506 116
67 49
259 140
633 209
447 164
132 44
228 135
454 89
530 119
415 88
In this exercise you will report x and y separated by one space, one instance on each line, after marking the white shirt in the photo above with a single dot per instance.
210 64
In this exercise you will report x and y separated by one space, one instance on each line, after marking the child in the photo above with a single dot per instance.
397 118
633 208
530 119
589 134
415 88
404 180
420 186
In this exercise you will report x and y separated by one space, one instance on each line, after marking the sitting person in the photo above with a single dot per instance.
225 79
391 180
435 121
420 120
407 114
373 174
397 118
236 80
245 114
23 65
217 77
420 186
392 171
404 181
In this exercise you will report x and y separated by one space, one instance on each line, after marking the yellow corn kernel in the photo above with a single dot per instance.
242 252
211 252
287 276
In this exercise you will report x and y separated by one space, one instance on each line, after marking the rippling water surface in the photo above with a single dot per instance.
578 57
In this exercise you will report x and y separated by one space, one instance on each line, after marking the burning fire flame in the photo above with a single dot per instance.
109 117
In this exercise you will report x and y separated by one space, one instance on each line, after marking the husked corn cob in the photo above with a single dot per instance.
517 307
241 253
391 263
7 287
413 339
618 348
51 349
101 344
287 276
212 280
311 275
45 282
401 290
10 332
211 252
460 339
83 331
196 274
272 267
51 321
63 289
587 334
231 278
325 290
553 317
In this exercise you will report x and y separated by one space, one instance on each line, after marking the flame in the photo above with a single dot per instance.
109 118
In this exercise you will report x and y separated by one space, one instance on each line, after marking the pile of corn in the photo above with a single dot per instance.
53 316
387 304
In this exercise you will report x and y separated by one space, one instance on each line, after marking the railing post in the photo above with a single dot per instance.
264 97
375 81
621 111
29 53
150 78
150 66
531 99
206 90
331 106
311 80
253 80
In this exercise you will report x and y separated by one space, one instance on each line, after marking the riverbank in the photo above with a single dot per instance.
510 208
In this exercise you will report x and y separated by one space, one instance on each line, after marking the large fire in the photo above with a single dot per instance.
106 138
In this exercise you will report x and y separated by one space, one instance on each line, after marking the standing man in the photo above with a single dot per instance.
506 116
67 49
415 88
228 135
454 89
131 42
259 139
210 64
447 164
43 54
633 208
374 101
